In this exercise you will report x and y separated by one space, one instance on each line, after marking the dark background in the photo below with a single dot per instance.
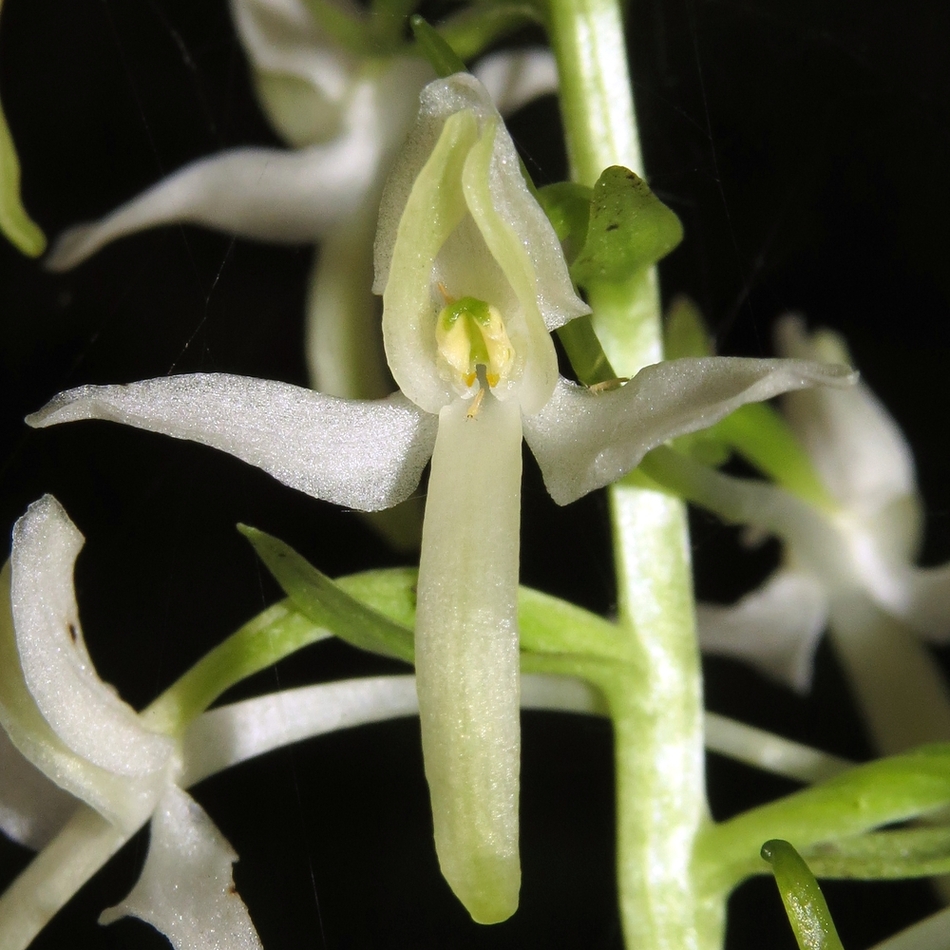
805 146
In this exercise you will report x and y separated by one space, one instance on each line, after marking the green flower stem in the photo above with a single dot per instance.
262 641
864 798
658 715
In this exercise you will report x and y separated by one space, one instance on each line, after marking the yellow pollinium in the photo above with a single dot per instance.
470 333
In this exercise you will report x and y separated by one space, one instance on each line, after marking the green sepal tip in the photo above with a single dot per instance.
804 903
326 603
444 59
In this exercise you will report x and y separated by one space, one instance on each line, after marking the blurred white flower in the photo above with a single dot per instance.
344 113
848 566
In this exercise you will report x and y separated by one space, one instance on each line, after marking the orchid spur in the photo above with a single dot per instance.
473 280
848 561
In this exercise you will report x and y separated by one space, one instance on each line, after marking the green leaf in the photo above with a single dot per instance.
326 603
881 855
761 436
15 223
630 229
445 61
804 903
270 636
567 205
685 332
548 625
478 26
869 796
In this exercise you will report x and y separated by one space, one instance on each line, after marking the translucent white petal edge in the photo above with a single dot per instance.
85 713
186 890
363 454
585 440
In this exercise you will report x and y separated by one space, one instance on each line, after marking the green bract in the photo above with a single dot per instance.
629 230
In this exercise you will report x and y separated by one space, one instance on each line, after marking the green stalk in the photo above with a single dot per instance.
658 715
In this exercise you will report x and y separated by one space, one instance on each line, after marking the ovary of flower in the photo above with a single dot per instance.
848 565
457 220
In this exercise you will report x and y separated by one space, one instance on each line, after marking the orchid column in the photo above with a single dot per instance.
658 716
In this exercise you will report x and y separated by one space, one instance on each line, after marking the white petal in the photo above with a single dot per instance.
344 337
366 455
186 890
85 713
856 446
514 78
32 808
585 440
122 800
511 259
285 44
775 628
927 610
467 665
270 195
896 682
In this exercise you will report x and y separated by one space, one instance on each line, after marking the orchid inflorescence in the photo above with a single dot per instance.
442 283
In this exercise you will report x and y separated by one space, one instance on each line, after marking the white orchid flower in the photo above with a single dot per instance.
344 115
473 279
81 772
848 565
72 740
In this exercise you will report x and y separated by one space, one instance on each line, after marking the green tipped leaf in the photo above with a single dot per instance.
889 790
884 855
630 230
326 603
437 50
15 223
567 205
685 332
804 903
